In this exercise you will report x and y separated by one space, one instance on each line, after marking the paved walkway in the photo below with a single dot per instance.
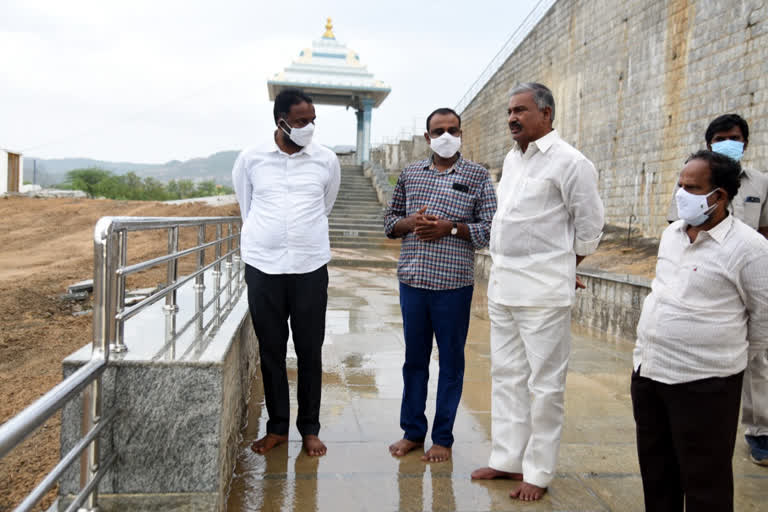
362 386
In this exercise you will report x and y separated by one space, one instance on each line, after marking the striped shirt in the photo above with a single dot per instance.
463 194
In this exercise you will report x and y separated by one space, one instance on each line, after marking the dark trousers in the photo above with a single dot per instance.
685 438
443 314
274 300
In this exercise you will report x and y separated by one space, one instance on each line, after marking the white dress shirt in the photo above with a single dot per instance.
708 298
549 211
285 201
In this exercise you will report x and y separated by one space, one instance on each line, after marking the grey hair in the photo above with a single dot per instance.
542 96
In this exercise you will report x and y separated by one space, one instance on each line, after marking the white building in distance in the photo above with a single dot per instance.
11 171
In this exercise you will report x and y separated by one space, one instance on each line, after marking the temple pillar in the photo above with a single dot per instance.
367 111
359 147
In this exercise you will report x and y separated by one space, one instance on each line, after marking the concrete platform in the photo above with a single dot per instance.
362 385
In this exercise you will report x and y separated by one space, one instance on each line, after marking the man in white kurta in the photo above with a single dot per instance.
549 218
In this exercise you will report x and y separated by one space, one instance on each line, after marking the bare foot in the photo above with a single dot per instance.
491 474
528 492
437 454
403 446
268 442
313 446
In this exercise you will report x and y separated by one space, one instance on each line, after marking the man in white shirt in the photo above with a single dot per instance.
549 218
709 297
286 189
729 134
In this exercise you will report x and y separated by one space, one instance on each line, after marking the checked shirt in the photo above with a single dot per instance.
463 194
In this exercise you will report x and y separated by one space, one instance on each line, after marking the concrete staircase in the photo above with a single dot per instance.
357 219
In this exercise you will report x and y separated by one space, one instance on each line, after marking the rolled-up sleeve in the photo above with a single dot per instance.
242 184
582 198
396 208
754 283
332 188
485 209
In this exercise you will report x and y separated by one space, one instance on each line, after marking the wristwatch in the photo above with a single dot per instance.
455 229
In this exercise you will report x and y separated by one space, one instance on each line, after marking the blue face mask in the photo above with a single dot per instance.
730 148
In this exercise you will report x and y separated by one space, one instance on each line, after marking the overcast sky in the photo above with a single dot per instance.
151 81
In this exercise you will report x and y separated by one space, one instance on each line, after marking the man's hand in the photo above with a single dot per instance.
408 224
412 221
579 284
430 228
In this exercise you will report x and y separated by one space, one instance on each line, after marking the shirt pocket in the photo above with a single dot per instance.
452 204
751 214
534 194
701 285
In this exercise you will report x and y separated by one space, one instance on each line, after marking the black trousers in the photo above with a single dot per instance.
685 439
274 300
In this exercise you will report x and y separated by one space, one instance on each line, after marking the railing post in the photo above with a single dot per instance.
242 263
105 284
237 262
200 283
122 250
228 265
217 276
171 307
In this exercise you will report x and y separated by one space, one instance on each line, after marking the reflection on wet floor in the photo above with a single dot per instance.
362 385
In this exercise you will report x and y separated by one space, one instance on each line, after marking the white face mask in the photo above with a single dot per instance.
300 136
445 145
692 208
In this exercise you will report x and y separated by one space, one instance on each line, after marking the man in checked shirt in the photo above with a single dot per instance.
442 209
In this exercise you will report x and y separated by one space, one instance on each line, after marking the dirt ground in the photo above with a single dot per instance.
46 245
615 254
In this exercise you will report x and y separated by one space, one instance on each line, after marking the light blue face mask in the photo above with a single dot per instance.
730 148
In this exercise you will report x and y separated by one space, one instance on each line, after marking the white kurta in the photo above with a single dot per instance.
549 212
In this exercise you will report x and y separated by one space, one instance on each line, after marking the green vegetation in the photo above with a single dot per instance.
100 183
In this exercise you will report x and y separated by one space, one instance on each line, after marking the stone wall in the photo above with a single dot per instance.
347 159
611 303
181 406
635 85
393 157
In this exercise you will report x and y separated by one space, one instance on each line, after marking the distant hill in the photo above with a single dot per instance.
217 167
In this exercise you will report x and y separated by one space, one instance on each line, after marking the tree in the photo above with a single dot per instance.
86 180
206 188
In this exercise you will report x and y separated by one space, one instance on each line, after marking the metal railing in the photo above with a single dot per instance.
110 315
517 37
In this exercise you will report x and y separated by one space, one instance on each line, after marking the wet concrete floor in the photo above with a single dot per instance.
362 386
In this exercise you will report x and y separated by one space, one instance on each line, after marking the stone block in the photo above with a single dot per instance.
180 408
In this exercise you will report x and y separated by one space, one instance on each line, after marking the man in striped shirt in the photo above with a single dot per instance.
442 209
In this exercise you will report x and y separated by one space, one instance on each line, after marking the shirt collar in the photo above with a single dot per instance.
310 149
717 233
543 144
457 166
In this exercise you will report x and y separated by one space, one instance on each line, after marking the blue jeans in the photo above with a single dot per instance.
444 314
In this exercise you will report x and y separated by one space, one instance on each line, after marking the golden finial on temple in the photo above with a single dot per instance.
329 30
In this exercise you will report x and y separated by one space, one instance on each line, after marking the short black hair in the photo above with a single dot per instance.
725 172
443 111
286 99
725 123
